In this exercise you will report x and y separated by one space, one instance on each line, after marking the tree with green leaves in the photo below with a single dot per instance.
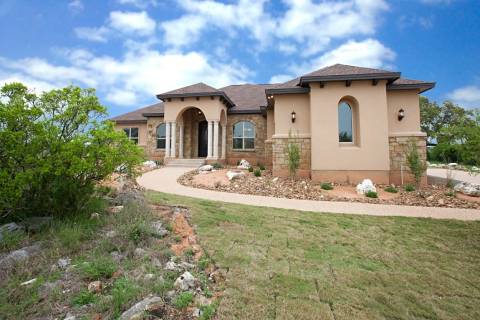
54 149
415 163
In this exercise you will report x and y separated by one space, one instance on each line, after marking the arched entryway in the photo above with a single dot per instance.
193 133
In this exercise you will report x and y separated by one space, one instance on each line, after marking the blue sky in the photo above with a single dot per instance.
130 50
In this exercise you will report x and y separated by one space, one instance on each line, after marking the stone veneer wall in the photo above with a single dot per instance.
269 153
256 156
280 156
398 154
152 153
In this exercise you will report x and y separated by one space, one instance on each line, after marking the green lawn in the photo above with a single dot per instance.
286 264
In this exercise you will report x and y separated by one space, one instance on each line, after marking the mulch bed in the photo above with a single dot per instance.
305 189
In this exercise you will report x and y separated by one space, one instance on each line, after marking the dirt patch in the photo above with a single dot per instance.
306 189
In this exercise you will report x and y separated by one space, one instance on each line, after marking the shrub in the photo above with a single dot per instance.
415 163
371 194
257 173
450 193
217 165
139 232
391 189
326 186
207 312
183 300
84 297
101 267
203 262
122 292
250 169
262 167
188 253
54 150
293 155
409 187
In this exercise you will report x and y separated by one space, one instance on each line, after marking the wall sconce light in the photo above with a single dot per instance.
401 114
294 116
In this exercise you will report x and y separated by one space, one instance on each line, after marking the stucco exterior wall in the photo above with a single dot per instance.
142 131
256 156
210 108
284 105
407 100
371 151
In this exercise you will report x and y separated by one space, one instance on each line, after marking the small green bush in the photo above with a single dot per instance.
217 165
371 194
84 297
409 187
101 267
250 169
207 312
189 253
262 167
123 291
203 263
257 173
183 300
391 189
450 193
139 232
326 186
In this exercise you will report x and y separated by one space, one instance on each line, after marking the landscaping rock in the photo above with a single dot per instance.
95 216
116 256
115 209
366 186
201 300
171 266
205 168
17 256
10 228
47 288
26 283
234 175
185 281
149 164
70 316
158 229
63 263
139 253
111 234
470 189
197 313
35 224
147 305
95 286
127 196
244 165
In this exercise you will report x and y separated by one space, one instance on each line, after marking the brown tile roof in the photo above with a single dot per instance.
137 115
194 88
250 98
247 97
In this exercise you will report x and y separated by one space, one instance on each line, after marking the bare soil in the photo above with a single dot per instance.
306 189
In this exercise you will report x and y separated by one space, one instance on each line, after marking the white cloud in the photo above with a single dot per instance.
132 22
128 81
76 6
368 53
310 24
142 4
468 96
280 78
93 34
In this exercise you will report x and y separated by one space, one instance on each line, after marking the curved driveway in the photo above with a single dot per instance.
165 180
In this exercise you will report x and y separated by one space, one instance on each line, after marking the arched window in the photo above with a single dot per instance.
345 122
243 135
161 136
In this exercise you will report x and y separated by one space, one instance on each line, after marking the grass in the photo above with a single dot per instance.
84 297
183 300
326 186
289 264
98 268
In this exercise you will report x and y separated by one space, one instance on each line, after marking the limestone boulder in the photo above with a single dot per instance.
231 175
470 189
366 186
243 164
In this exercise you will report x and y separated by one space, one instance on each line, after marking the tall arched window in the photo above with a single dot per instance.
345 122
161 136
243 135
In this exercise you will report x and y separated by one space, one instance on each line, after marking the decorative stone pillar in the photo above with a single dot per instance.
173 144
215 139
167 140
209 135
224 141
180 143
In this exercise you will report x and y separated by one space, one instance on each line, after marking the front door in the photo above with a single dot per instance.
202 139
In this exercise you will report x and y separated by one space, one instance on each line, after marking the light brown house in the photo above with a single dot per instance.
351 123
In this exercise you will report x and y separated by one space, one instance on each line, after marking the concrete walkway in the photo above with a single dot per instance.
165 180
439 174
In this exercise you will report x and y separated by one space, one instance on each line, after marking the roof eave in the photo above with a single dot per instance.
197 94
421 86
287 90
128 121
153 114
390 76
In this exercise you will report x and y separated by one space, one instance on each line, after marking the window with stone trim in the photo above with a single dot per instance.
132 134
243 135
161 136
